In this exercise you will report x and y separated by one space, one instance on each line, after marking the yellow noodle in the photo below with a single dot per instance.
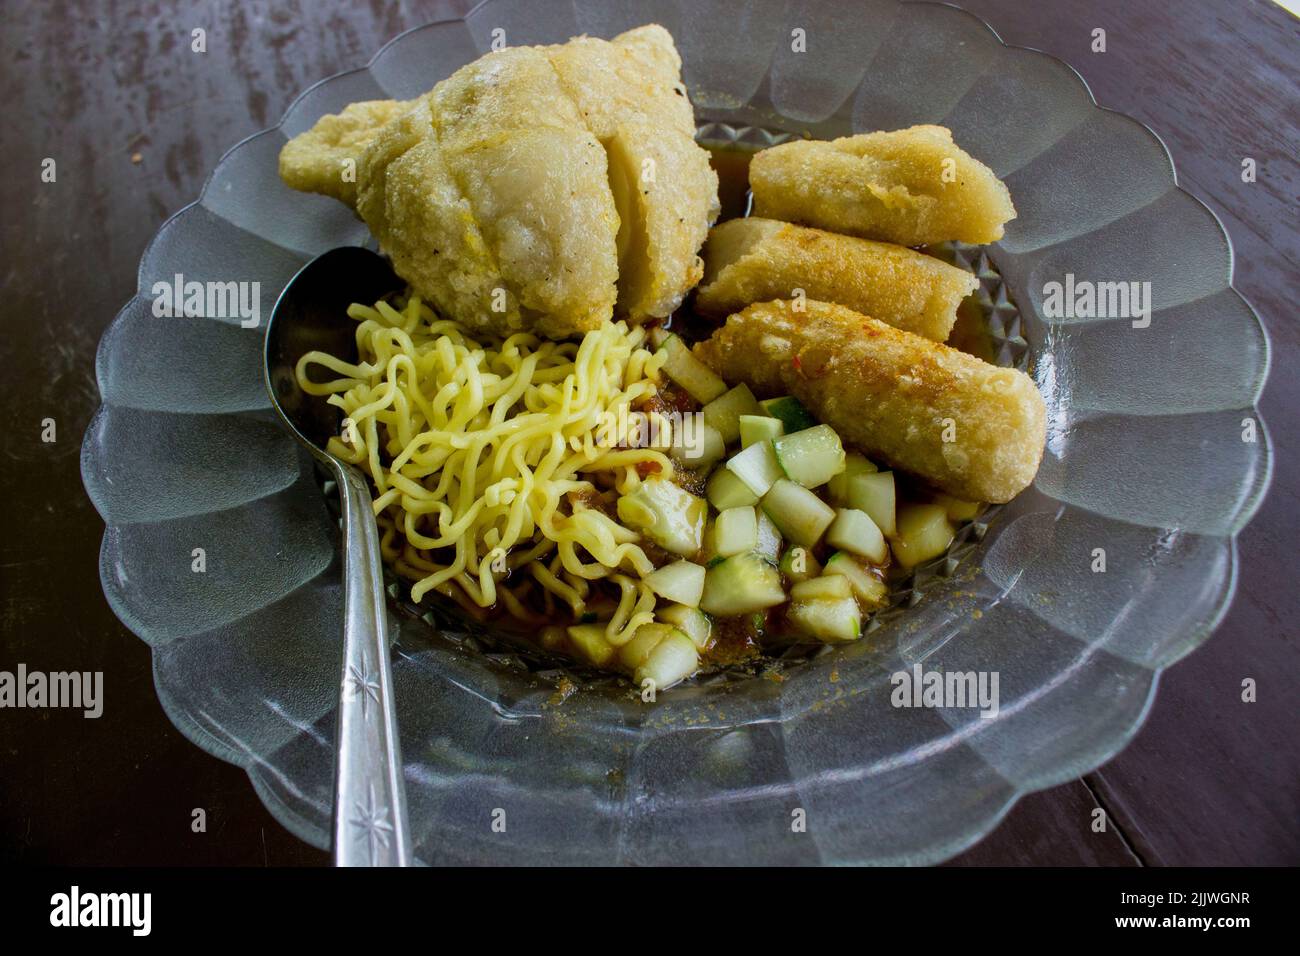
476 447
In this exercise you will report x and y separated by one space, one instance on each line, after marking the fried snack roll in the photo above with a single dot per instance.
969 428
757 260
912 186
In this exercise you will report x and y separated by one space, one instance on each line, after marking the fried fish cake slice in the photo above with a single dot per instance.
973 430
542 201
635 75
512 88
757 260
630 95
414 205
912 186
323 159
666 194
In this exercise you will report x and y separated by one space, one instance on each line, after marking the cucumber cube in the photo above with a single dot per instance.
798 564
672 659
691 621
854 464
828 587
669 514
924 532
590 643
874 494
697 444
726 490
811 457
756 466
854 531
958 510
734 530
680 581
800 515
835 621
724 412
699 381
634 653
870 590
741 584
791 412
769 538
756 428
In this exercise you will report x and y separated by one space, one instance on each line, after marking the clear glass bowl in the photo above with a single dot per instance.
1145 459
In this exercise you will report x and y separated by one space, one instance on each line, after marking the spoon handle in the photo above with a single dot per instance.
370 822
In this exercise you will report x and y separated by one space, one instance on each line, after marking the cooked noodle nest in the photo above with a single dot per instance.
484 456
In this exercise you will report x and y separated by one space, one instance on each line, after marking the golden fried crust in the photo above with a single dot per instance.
637 75
497 185
316 161
757 260
410 198
666 187
630 95
893 394
536 182
912 186
542 200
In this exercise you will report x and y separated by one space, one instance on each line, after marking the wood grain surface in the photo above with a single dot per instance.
136 122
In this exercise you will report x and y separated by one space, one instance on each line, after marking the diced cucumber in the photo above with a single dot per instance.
691 621
769 538
874 494
798 564
589 641
726 490
828 587
811 457
791 413
853 530
799 514
741 584
831 622
681 581
699 381
756 428
924 532
854 464
697 444
756 466
869 589
634 653
735 530
724 412
957 509
671 516
672 659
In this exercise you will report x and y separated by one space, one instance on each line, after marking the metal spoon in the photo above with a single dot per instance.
370 822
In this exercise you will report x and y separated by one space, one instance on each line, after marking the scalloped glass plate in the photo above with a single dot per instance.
1146 459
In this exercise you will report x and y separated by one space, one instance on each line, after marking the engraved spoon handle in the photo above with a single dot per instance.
370 822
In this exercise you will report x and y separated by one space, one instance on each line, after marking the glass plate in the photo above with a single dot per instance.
220 550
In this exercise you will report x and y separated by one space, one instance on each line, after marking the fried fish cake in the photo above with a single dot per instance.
973 430
911 186
324 159
757 260
535 188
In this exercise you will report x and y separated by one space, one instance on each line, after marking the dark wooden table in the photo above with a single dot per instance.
1209 780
